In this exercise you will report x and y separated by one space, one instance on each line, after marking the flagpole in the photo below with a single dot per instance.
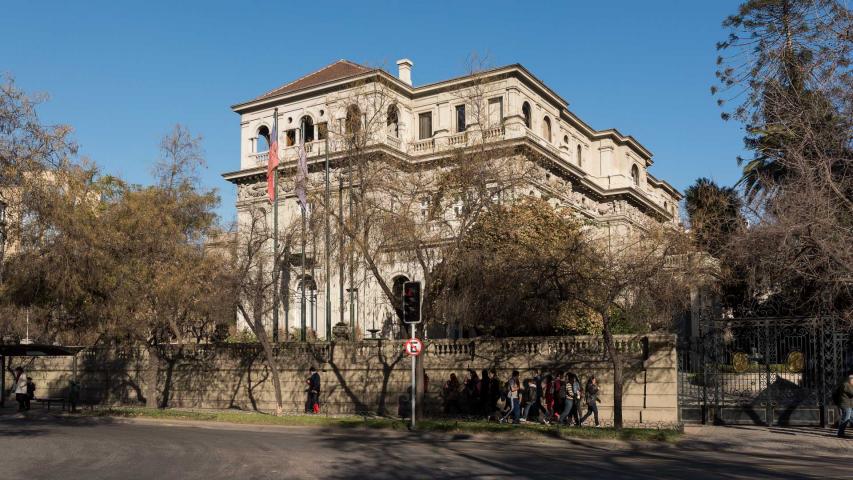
328 244
276 266
341 249
302 282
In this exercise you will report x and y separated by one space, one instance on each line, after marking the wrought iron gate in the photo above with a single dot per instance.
766 371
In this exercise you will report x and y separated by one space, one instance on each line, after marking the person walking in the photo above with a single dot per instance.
549 398
576 399
514 393
844 400
31 391
450 391
528 393
470 392
591 392
19 387
567 392
312 403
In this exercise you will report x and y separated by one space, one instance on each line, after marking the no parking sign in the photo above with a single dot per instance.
413 347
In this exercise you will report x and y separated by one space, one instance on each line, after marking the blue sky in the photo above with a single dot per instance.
122 73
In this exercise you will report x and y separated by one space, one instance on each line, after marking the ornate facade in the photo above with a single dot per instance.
602 175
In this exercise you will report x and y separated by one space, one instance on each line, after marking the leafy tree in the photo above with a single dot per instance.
505 280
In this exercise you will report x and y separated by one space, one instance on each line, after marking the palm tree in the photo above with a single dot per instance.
714 213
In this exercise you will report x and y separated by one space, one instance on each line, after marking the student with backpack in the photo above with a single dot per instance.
844 399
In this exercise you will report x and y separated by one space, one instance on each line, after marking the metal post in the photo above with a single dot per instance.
414 381
328 315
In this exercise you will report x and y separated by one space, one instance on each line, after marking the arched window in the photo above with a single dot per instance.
353 121
263 142
566 140
580 156
307 126
635 175
546 129
525 112
393 121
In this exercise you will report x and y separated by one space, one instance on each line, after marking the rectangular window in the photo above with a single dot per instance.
322 131
290 138
425 125
460 118
496 111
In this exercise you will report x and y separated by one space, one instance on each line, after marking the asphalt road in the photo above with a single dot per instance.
70 448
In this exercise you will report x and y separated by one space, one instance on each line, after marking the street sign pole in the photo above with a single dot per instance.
412 316
414 383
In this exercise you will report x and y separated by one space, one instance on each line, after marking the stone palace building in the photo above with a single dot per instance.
602 175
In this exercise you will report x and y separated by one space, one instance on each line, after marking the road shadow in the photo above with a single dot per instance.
369 454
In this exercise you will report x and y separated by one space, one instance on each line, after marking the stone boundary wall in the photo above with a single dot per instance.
360 377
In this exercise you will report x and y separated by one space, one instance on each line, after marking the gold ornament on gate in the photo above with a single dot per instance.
740 362
795 362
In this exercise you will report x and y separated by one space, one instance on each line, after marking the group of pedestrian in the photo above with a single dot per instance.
546 398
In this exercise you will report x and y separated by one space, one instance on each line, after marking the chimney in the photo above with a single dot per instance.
404 68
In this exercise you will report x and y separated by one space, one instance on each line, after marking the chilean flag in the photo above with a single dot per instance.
272 163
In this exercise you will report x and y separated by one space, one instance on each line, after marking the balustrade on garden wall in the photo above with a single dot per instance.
366 377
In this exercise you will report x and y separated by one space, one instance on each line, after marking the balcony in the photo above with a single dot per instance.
420 147
259 158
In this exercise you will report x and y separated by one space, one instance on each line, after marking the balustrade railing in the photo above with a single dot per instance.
459 139
262 157
493 133
424 146
394 142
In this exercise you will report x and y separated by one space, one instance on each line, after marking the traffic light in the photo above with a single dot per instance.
412 302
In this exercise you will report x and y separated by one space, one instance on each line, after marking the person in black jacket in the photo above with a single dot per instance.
31 392
312 403
591 393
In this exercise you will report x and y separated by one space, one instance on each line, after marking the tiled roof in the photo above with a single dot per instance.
334 71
